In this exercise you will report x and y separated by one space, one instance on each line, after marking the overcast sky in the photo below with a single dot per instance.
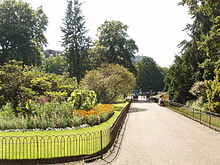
155 25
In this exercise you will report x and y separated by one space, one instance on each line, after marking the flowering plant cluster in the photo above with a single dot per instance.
96 110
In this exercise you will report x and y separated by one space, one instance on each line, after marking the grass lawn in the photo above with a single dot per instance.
214 121
49 144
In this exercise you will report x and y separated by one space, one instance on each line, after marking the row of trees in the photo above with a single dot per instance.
20 83
199 62
22 38
112 46
30 98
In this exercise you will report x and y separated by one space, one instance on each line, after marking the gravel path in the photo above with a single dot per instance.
157 136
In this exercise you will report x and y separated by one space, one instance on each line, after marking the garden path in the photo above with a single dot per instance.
155 135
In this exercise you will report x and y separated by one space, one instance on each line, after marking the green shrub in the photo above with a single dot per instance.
58 96
109 81
199 90
82 99
197 104
76 121
93 120
105 116
19 83
49 114
213 92
7 111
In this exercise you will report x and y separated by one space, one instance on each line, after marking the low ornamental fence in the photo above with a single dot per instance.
207 118
60 148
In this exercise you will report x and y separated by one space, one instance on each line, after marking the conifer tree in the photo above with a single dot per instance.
75 40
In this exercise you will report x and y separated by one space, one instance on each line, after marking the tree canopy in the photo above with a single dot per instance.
150 76
21 32
114 45
109 81
19 82
75 40
201 54
55 64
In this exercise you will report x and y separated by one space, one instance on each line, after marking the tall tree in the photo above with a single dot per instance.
114 45
211 47
198 50
21 32
179 80
200 55
150 76
75 40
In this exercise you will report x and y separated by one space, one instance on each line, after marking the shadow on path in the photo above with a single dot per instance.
134 110
141 101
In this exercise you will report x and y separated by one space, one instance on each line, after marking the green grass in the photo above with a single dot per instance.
213 121
51 144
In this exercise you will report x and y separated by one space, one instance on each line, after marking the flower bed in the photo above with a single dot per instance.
53 115
97 114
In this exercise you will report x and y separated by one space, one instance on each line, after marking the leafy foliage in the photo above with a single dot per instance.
48 115
21 32
109 81
114 46
179 82
75 40
199 90
82 99
56 64
213 92
11 82
199 56
54 115
19 83
150 76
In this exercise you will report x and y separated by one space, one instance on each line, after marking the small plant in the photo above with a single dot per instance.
199 90
29 108
82 99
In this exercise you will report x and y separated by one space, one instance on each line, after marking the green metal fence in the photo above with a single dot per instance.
46 148
204 117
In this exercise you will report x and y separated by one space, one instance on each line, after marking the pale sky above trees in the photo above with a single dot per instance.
156 26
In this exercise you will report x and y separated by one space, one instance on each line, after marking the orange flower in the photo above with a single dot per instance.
96 110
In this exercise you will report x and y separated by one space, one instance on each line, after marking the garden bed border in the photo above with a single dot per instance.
114 131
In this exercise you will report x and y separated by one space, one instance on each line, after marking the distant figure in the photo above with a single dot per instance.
161 100
148 96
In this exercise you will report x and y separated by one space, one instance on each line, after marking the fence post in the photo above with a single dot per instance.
101 143
210 118
200 117
37 147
